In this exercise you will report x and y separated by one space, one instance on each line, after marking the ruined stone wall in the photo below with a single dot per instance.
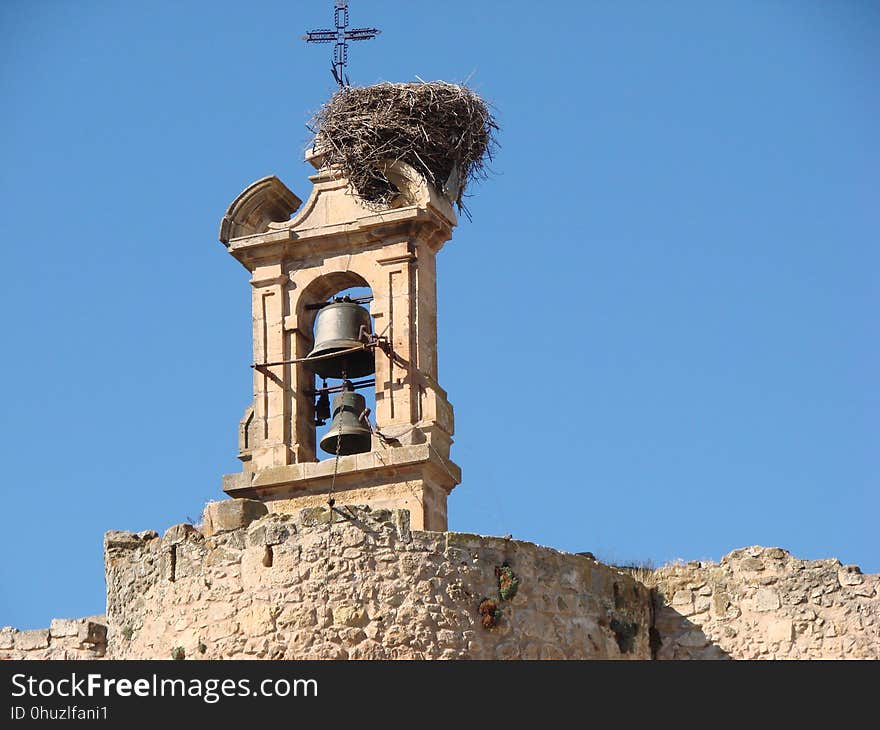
762 603
83 638
362 587
248 584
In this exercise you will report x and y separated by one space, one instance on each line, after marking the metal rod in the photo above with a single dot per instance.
329 355
356 384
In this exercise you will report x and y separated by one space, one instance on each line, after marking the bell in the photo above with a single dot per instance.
322 407
348 430
341 326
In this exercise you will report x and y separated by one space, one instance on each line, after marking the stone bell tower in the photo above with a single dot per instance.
298 257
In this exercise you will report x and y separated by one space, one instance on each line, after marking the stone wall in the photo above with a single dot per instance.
82 638
762 603
359 583
363 586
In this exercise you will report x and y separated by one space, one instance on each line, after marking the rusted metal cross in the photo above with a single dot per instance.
340 37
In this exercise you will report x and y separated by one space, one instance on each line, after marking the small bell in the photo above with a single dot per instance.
349 432
341 327
322 407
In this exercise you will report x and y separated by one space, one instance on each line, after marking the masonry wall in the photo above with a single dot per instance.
363 587
247 584
763 603
83 638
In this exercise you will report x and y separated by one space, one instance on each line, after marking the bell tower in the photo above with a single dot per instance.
299 257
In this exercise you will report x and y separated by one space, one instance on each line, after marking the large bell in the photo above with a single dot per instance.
340 326
347 428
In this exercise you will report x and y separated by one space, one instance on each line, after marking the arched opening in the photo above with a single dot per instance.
323 390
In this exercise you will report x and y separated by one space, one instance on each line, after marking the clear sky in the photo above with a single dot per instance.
659 331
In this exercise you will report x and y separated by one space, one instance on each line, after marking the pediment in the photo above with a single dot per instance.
332 203
266 201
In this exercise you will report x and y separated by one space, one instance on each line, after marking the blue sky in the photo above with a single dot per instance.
659 331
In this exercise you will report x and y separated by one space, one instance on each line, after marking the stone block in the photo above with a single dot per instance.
315 516
231 514
122 539
369 460
271 531
354 616
30 640
766 600
231 482
181 533
683 602
258 620
323 468
378 516
91 632
464 541
780 630
720 602
752 564
865 589
7 637
409 454
850 576
402 522
61 627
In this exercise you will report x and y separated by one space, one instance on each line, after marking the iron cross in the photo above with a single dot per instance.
340 36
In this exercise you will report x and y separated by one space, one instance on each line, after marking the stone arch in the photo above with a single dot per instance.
320 286
319 289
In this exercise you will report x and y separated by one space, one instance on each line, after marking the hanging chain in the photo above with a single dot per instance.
330 500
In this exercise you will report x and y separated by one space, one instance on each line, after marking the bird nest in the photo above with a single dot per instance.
445 131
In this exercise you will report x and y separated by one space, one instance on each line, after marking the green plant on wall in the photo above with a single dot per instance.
508 583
